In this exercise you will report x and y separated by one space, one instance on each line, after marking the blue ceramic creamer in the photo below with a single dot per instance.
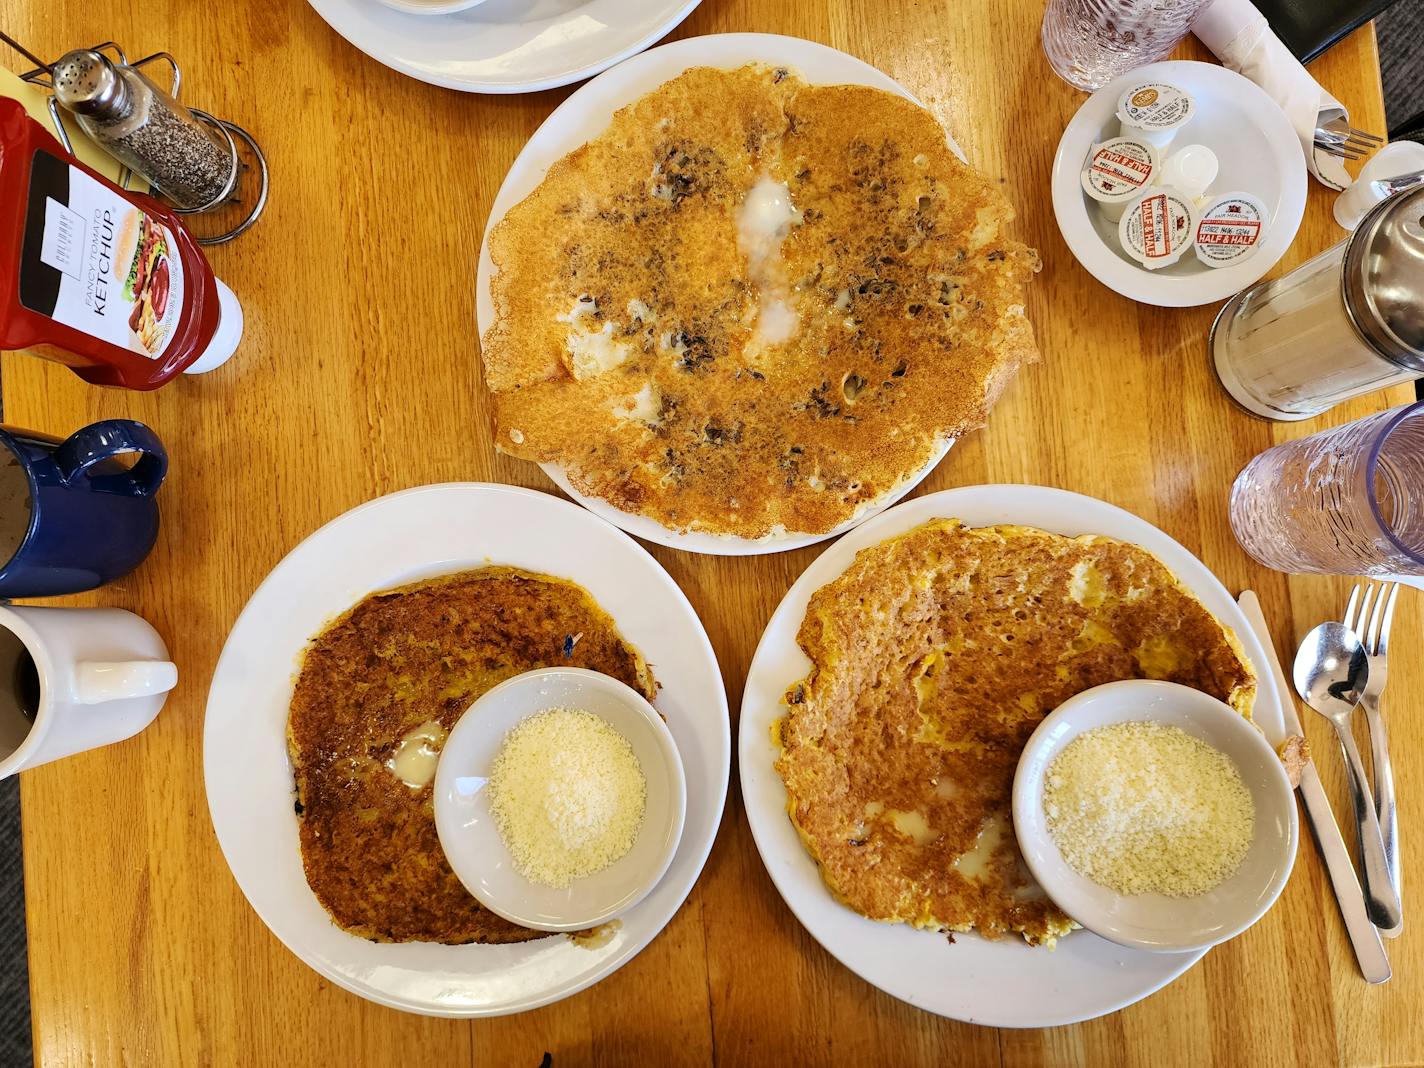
73 514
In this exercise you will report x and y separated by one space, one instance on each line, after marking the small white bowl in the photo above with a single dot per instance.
1154 921
466 826
1258 153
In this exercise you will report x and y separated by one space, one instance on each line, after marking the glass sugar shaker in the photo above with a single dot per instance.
145 128
1348 322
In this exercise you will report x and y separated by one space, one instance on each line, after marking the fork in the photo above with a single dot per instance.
1338 138
1372 625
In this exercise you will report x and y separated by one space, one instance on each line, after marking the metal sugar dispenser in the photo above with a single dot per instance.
1346 323
187 156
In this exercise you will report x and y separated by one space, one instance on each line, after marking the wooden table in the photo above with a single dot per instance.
359 376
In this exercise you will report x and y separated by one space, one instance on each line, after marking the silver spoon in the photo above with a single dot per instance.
1330 674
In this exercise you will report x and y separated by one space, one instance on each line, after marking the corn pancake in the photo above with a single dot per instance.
936 654
716 377
399 659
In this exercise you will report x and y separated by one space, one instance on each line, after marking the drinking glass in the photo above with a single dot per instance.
1348 501
1091 42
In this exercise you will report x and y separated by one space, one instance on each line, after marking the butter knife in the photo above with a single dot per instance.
1364 937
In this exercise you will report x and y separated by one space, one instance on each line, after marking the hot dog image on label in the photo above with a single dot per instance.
1230 229
144 266
1158 227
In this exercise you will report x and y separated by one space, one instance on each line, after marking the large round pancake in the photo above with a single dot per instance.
935 655
908 299
399 659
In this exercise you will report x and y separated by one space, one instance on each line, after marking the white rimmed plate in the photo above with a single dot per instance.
404 537
587 113
505 46
1258 153
1005 983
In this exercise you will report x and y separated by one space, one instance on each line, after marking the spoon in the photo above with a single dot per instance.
1330 673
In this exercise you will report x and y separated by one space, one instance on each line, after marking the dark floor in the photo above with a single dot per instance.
1401 42
14 967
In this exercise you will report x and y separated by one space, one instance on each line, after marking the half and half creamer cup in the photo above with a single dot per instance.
1154 112
1230 229
1157 227
1117 171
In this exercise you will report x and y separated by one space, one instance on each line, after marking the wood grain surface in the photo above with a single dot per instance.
359 375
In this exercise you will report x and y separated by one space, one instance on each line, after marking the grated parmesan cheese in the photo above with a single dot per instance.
1147 808
567 794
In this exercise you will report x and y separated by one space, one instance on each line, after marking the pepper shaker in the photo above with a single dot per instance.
1346 323
145 128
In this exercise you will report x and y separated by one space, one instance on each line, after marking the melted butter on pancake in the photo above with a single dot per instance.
977 864
643 406
763 222
414 760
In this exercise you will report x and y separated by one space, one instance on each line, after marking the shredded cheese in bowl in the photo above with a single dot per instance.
567 794
1144 807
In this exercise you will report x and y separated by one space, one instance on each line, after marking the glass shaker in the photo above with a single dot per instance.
145 128
1348 322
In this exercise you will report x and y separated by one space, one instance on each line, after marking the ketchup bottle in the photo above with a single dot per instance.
103 280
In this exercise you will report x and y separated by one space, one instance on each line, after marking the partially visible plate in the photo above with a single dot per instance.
405 537
505 46
585 115
1000 984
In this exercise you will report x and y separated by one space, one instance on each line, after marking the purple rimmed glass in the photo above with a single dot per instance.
1348 501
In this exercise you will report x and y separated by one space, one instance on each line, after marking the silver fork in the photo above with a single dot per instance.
1371 625
1339 138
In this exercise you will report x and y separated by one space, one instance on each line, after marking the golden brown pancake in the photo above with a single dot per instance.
935 656
399 659
678 370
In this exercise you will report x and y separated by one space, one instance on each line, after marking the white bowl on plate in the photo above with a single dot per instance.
1258 153
466 826
1154 921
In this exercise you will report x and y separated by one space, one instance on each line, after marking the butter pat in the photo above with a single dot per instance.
1116 171
1230 229
1157 227
1154 112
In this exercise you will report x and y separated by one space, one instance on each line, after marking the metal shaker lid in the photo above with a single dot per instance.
1383 278
87 83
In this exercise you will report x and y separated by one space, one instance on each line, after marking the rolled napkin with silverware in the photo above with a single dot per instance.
1239 35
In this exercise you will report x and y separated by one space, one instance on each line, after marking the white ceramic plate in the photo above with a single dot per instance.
505 46
1258 153
1000 984
587 113
404 537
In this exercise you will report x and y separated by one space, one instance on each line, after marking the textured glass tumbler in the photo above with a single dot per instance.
1348 501
1091 42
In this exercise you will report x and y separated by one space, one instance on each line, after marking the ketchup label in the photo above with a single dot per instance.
93 261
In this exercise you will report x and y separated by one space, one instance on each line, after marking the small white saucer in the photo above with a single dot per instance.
1154 921
472 842
1258 153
